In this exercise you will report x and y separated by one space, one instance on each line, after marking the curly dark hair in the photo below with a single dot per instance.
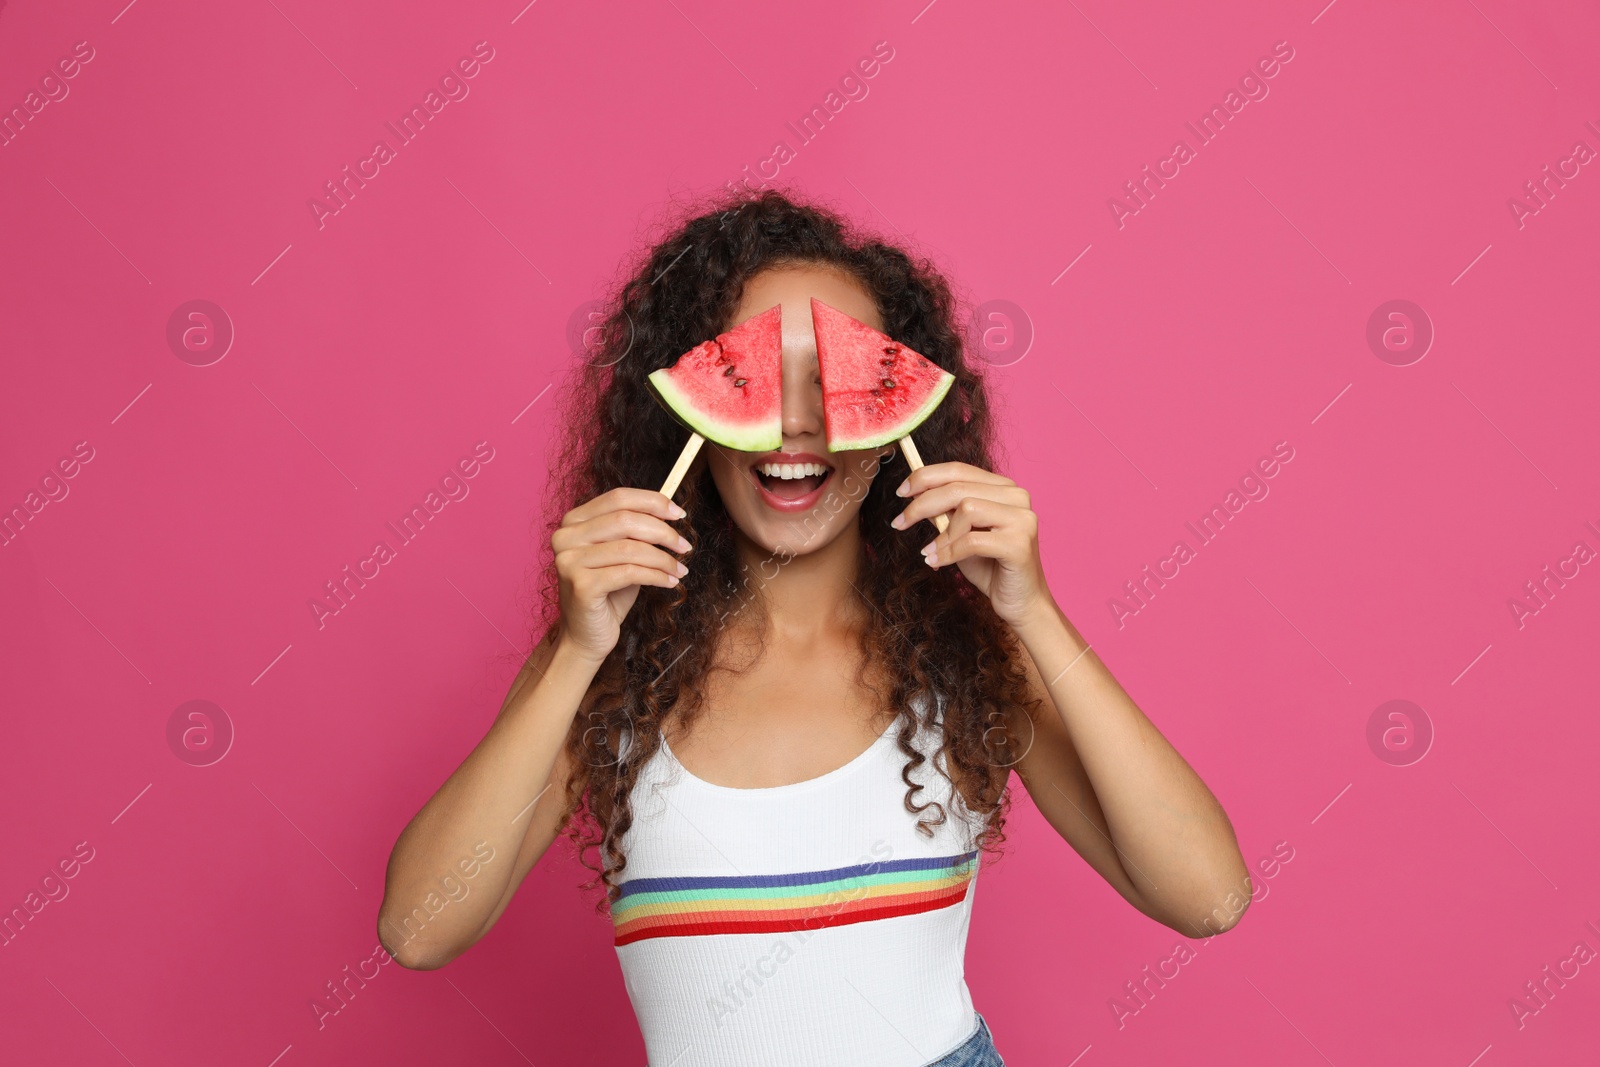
934 632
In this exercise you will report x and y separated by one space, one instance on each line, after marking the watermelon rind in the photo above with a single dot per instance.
694 394
682 407
856 412
904 426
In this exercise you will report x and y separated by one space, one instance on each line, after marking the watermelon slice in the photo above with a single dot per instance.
874 389
730 389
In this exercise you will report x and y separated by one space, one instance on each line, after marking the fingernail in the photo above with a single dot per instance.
682 570
683 544
899 521
676 512
904 489
931 549
672 579
932 558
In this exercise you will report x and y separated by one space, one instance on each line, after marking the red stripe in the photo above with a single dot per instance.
816 922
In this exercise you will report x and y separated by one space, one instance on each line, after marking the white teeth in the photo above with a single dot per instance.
789 471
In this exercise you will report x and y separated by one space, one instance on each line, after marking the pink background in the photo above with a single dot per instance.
1229 314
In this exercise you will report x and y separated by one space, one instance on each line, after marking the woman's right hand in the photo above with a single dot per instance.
605 550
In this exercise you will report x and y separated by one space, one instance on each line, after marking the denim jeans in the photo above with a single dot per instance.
976 1051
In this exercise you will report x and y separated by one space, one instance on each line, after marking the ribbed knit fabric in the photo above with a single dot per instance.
805 925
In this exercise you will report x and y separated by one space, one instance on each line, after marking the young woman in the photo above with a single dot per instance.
785 713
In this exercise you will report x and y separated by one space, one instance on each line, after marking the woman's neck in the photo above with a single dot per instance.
806 596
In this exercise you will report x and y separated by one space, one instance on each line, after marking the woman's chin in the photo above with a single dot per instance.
788 534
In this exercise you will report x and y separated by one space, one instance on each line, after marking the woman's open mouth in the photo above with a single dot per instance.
791 483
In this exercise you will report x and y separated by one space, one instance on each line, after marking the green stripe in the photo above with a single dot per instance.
909 878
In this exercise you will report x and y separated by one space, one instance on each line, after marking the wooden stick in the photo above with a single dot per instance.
680 468
913 460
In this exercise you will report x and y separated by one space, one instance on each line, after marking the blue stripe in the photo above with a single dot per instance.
800 878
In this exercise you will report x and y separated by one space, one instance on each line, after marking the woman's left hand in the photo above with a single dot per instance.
993 535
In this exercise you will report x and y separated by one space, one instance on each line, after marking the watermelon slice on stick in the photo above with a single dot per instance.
874 389
728 390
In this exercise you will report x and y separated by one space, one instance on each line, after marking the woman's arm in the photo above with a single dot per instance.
481 833
1117 791
1098 770
458 863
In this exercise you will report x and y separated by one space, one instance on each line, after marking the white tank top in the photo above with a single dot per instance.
808 924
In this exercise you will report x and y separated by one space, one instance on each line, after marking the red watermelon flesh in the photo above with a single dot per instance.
730 389
874 389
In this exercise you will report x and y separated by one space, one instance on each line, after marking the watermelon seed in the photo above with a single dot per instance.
740 381
727 372
888 383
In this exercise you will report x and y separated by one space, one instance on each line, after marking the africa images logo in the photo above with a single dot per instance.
453 87
1252 84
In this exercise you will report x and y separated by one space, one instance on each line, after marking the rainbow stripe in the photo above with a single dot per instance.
807 900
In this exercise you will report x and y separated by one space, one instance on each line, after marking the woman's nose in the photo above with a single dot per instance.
802 403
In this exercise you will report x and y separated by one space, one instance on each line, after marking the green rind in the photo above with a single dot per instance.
682 408
904 426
